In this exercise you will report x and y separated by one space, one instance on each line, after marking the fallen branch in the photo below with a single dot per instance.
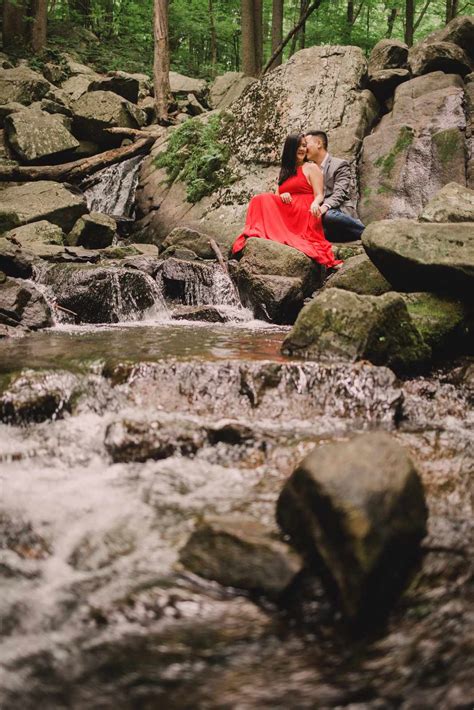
78 169
311 8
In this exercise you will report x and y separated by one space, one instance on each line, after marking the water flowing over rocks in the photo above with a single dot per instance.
358 510
421 256
344 325
37 396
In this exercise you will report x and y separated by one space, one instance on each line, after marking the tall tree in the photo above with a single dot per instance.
277 30
212 28
249 64
38 24
161 63
83 9
452 7
391 17
409 21
310 9
258 24
14 26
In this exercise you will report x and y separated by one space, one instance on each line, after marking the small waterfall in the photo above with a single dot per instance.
112 190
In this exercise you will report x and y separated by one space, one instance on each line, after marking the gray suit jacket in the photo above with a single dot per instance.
337 186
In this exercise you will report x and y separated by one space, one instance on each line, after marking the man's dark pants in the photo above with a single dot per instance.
340 227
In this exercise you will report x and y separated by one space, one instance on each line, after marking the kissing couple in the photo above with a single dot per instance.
311 203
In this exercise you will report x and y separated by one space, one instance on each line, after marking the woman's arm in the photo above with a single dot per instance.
314 175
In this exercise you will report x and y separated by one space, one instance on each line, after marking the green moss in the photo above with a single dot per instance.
448 144
386 163
438 319
196 155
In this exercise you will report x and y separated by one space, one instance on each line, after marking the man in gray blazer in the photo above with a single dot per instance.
340 219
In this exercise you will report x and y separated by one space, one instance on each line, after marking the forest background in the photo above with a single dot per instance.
209 37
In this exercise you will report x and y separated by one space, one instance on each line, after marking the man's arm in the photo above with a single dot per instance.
342 185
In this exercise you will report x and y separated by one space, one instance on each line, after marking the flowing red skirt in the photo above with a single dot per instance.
292 224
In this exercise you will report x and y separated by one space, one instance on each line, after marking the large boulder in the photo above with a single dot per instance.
198 242
361 276
92 231
418 147
41 200
357 511
227 88
274 279
34 135
14 261
77 85
101 294
242 553
21 304
460 31
446 324
417 256
182 85
29 235
388 54
439 56
119 83
343 325
318 86
384 82
22 85
95 111
453 203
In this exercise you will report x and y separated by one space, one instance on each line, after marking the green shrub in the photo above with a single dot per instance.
196 155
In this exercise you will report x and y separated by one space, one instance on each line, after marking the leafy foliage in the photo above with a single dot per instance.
196 155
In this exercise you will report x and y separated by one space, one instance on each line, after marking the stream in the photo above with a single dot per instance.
96 609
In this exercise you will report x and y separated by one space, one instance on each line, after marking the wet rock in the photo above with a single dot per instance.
343 325
359 275
438 56
196 283
101 548
95 111
444 323
357 511
92 231
41 200
19 536
453 203
415 149
196 241
388 54
34 233
227 88
209 314
231 433
240 552
120 83
14 261
417 256
34 135
273 279
384 82
22 85
22 304
35 396
99 294
129 440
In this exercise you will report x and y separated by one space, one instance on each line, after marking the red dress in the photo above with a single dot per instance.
293 224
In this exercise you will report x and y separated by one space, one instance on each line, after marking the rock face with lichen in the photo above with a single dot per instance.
418 147
319 87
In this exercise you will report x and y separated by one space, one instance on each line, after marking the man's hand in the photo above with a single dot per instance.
315 209
324 209
286 198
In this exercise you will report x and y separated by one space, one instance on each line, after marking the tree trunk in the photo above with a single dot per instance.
452 7
83 9
13 22
161 64
409 21
258 24
391 17
310 9
39 22
302 34
212 28
108 18
249 66
277 30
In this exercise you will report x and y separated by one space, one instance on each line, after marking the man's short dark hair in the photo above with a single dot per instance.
319 134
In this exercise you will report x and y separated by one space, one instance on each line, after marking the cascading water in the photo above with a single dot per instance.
112 190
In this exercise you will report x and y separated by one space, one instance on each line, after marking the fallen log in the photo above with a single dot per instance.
78 169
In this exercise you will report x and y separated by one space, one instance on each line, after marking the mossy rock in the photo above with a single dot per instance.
445 324
360 275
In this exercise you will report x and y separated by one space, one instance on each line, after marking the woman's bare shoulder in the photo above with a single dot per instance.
309 168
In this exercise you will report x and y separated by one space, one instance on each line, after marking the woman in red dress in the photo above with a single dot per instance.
292 216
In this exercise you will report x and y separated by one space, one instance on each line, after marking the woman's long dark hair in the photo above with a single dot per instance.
288 157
